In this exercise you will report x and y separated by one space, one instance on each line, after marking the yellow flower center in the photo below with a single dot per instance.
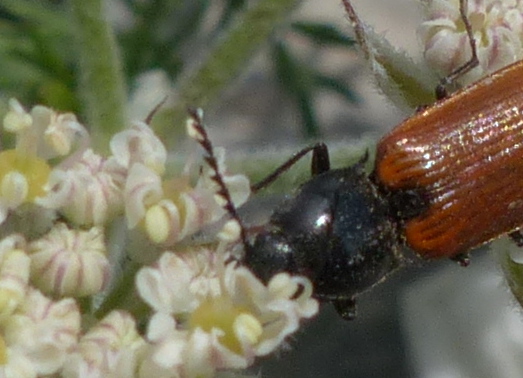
157 224
8 300
35 171
235 322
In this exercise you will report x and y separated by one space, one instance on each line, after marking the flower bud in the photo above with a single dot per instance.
70 262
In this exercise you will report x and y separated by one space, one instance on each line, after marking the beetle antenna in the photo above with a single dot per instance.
198 132
153 112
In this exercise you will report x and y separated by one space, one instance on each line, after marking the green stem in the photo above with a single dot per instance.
101 79
85 304
514 276
119 295
229 58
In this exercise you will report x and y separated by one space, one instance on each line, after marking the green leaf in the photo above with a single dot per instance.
35 50
50 18
323 34
508 252
161 28
292 75
297 80
337 86
232 7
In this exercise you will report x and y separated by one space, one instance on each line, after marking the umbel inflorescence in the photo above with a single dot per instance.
98 273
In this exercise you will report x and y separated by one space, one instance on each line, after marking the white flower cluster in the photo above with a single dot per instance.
36 333
497 26
68 303
216 316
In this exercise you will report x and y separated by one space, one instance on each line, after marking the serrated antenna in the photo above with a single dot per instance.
197 131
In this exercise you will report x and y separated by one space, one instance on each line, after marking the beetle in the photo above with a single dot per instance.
338 230
446 180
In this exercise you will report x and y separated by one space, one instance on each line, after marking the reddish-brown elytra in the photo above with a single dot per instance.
464 155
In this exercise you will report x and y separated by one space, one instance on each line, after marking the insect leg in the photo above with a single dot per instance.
320 163
441 89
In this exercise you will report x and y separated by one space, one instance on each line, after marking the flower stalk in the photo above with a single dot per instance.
101 78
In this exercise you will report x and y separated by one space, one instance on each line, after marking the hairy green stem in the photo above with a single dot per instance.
230 56
101 79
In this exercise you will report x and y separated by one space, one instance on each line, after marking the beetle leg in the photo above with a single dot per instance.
517 237
462 259
345 307
441 89
421 108
320 163
320 159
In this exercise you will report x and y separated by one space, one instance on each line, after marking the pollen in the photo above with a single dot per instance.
17 119
235 323
157 224
230 231
19 171
248 327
